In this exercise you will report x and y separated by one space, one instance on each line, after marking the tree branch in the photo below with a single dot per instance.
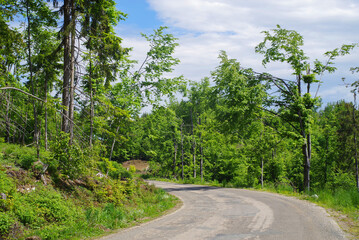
17 89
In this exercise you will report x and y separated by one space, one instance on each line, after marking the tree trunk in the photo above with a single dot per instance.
307 146
91 101
201 149
306 168
175 156
7 118
113 142
262 165
36 130
67 66
355 143
193 146
182 175
194 157
45 137
72 80
24 133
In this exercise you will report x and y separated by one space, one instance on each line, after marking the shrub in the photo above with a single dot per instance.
69 159
44 205
6 222
114 169
26 160
132 169
7 187
112 191
6 184
26 213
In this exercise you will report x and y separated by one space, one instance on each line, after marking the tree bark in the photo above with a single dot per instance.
72 80
355 143
201 149
175 156
24 133
193 146
36 130
262 165
7 118
92 107
182 175
67 66
113 142
306 159
307 146
45 137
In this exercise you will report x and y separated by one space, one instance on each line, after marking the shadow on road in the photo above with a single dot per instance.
192 188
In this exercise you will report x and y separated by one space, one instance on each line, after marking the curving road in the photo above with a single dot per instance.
222 213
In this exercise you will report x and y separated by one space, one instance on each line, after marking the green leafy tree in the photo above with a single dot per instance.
295 104
238 95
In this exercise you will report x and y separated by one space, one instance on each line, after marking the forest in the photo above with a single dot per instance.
70 90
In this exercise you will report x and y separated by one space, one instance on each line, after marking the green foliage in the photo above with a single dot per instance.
113 169
42 206
6 222
132 169
109 216
65 158
229 129
87 207
346 200
284 46
6 185
27 160
239 93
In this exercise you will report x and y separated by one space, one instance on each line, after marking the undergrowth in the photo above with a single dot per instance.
65 208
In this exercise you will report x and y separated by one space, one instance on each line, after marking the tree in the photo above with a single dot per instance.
355 89
296 105
150 83
238 95
198 98
104 51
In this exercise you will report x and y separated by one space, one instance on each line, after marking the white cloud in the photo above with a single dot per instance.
332 94
204 27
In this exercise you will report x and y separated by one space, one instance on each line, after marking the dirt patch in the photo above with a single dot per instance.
350 225
140 165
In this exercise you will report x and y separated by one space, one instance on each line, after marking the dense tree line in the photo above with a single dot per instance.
247 128
69 87
66 83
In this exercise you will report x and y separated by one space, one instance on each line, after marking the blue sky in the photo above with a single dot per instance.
204 27
140 15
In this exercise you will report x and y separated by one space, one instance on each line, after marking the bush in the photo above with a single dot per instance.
69 159
26 213
6 222
6 185
27 160
44 205
114 169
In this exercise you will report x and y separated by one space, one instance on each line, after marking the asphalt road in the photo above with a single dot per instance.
222 213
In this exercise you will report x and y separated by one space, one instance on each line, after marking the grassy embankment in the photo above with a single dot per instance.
70 209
